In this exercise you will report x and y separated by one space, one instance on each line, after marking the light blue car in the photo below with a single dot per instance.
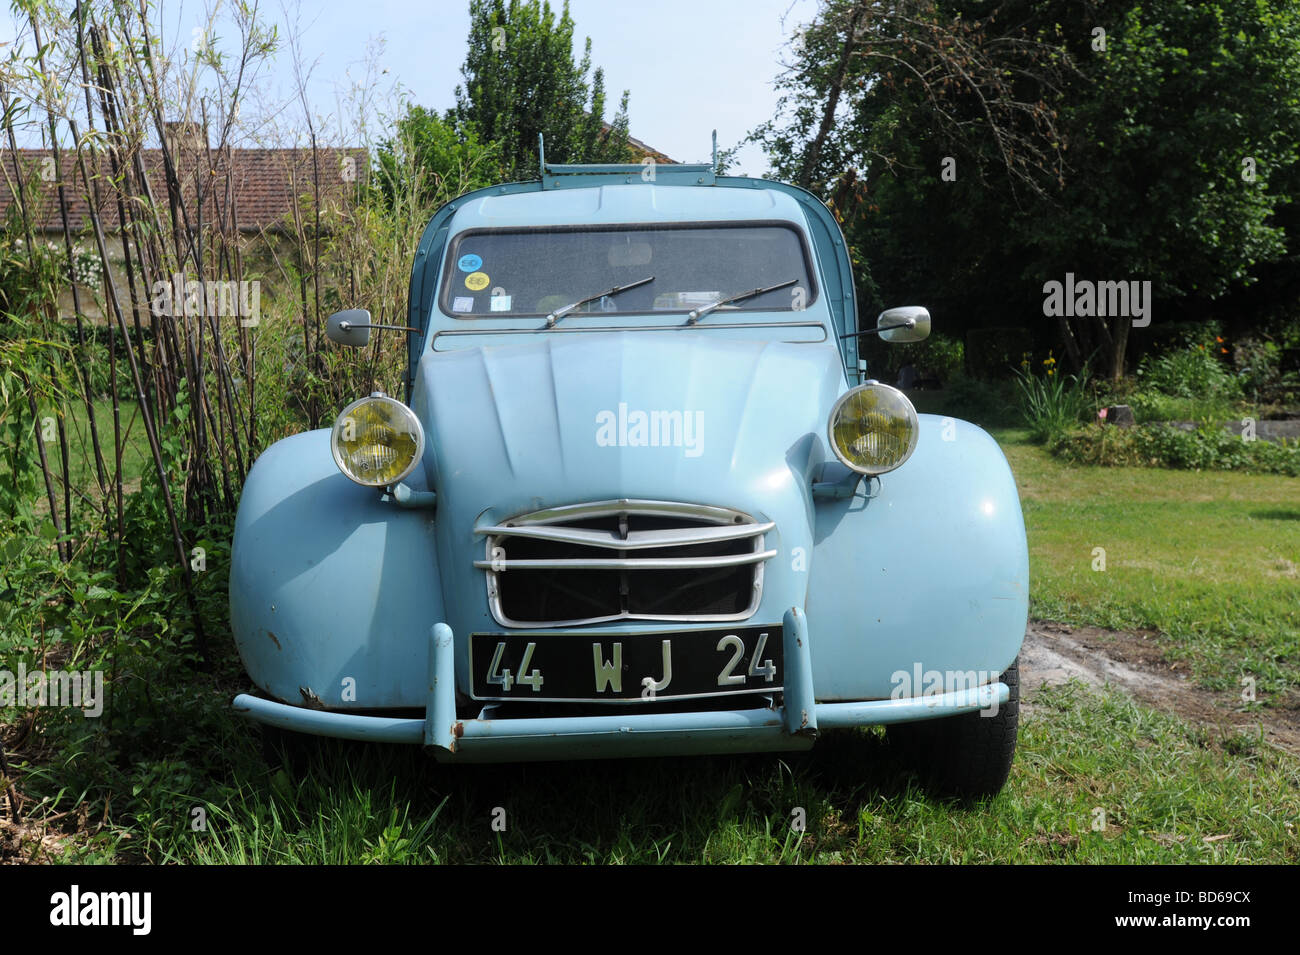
640 500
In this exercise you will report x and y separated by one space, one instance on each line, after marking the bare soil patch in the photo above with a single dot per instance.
1055 653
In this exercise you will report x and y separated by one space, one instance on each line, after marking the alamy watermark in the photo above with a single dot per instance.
1084 298
84 689
220 299
133 910
918 682
651 429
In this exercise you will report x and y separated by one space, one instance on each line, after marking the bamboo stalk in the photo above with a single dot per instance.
150 429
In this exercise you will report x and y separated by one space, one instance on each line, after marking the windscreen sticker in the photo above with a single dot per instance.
463 303
470 262
476 281
500 303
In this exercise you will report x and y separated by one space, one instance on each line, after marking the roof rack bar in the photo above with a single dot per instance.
622 169
570 175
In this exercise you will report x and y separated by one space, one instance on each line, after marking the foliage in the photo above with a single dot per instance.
1151 406
989 404
521 80
431 161
1150 131
1208 447
1192 372
938 356
1051 402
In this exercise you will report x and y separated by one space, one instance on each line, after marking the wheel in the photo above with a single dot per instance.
968 755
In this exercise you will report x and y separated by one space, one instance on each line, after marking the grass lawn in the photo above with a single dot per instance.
1097 779
1211 559
135 445
81 455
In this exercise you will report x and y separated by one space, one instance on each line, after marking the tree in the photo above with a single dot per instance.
521 80
1185 129
1107 140
427 161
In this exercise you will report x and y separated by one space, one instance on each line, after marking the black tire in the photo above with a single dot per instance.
968 756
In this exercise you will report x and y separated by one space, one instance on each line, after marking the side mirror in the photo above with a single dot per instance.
909 323
350 327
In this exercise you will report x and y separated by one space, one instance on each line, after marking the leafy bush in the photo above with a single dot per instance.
939 356
1256 361
1191 372
1150 406
1207 448
1053 403
989 404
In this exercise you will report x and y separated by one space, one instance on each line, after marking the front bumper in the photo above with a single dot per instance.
793 726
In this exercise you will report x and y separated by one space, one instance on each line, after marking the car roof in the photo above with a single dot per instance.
625 203
612 195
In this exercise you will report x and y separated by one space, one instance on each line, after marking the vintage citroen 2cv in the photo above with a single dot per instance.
639 500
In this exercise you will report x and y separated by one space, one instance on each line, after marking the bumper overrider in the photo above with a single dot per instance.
792 726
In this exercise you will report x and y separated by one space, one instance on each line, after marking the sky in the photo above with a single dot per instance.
690 66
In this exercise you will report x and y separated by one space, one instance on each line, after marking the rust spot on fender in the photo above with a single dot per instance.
457 729
274 640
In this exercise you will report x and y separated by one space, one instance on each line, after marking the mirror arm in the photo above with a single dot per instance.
399 328
877 331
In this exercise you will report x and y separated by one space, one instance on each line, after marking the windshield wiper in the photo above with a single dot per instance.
559 313
696 314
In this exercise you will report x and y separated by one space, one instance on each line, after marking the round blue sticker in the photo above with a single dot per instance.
470 263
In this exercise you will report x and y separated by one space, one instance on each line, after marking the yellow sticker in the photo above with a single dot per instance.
476 281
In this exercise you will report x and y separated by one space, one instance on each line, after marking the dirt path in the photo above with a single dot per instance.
1055 653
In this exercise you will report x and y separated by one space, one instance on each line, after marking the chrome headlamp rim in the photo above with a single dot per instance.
914 429
403 409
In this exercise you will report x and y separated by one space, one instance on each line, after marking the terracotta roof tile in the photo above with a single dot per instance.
263 183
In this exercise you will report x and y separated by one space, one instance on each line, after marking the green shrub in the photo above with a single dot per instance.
939 356
1205 449
989 404
1191 372
1053 403
1151 406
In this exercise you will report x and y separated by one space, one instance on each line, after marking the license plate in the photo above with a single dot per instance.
593 667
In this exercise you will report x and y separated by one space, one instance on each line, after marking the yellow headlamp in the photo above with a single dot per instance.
377 441
873 428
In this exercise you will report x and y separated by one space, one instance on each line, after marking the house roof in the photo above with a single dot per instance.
262 184
643 151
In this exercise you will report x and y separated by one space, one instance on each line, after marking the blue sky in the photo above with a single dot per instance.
689 65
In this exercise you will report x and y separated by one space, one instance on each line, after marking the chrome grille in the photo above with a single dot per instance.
624 560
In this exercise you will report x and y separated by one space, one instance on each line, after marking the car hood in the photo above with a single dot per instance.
571 418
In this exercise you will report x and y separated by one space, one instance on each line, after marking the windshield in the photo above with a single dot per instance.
534 272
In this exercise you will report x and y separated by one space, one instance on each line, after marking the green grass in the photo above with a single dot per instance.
1164 789
1151 406
81 456
1211 559
136 458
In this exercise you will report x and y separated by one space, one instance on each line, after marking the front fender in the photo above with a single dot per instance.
927 575
331 589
